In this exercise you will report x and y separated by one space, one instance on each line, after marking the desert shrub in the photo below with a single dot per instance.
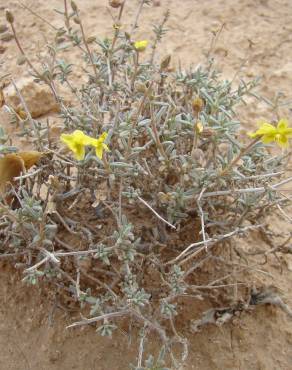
148 183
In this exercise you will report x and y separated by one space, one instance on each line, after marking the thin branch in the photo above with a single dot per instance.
136 20
99 318
29 174
156 214
202 217
87 47
288 218
211 241
24 105
247 190
37 15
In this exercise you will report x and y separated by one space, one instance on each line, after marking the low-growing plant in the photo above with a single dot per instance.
148 184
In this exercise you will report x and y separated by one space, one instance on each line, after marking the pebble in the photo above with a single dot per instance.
3 28
2 49
6 36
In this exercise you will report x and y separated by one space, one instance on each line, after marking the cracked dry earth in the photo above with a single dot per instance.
256 40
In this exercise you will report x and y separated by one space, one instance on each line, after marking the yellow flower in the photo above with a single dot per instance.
268 133
199 128
117 26
99 145
77 142
140 45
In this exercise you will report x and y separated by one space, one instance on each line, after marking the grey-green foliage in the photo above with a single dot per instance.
158 190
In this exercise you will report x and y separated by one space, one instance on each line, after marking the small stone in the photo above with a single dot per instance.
38 97
2 49
3 28
250 73
21 60
54 356
6 36
156 2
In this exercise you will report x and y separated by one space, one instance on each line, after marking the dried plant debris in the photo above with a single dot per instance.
269 296
220 316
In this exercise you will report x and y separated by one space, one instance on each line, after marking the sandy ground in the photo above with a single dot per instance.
256 40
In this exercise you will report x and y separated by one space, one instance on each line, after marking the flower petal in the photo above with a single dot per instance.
141 45
99 151
105 147
87 140
76 143
68 140
266 129
282 141
266 139
253 135
282 125
103 136
81 138
79 152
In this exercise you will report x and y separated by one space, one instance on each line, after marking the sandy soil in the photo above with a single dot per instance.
256 40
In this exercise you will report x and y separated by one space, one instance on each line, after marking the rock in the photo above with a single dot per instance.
38 97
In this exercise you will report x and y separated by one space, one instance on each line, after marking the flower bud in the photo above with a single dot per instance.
198 156
22 114
127 36
91 39
197 104
74 6
165 62
207 132
140 87
9 16
76 20
115 3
